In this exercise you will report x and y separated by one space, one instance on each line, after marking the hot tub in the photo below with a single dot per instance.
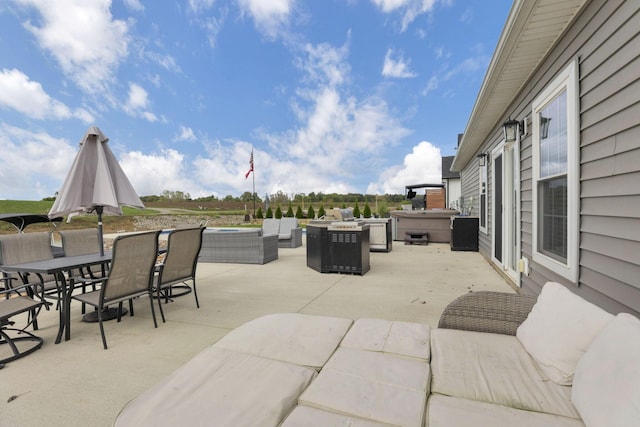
436 222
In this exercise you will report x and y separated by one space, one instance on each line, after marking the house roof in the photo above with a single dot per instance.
446 168
532 28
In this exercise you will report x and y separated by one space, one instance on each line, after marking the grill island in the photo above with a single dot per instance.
338 247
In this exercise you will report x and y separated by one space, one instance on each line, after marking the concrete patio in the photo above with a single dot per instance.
77 383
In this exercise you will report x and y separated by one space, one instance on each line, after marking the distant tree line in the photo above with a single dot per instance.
329 199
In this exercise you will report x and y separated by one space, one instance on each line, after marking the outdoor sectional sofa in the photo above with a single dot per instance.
568 364
247 246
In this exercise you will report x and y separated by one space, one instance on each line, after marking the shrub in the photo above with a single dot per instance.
311 214
367 210
278 212
356 211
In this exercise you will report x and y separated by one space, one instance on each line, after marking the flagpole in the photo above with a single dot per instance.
254 192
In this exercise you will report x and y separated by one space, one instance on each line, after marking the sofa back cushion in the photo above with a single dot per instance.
559 329
270 226
606 387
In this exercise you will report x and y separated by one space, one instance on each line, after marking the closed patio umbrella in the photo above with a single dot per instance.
96 182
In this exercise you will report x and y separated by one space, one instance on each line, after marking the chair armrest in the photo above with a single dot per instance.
486 311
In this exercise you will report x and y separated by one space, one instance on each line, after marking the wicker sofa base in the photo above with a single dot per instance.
238 246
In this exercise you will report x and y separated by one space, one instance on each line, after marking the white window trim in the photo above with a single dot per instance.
567 79
484 169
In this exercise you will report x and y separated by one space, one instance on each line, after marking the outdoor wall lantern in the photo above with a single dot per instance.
511 129
483 159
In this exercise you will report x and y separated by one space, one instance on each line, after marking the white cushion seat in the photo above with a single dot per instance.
393 337
223 388
306 416
373 386
496 369
446 411
301 339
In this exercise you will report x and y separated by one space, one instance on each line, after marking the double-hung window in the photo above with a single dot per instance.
555 174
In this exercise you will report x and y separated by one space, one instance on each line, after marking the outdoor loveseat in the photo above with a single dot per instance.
247 246
288 231
568 364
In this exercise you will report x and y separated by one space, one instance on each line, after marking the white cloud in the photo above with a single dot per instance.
324 64
199 5
83 37
138 102
28 97
270 17
410 9
339 136
151 174
134 5
186 134
423 165
31 161
398 68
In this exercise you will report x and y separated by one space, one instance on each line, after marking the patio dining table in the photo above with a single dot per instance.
58 267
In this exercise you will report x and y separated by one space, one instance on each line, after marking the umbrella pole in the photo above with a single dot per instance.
109 313
100 238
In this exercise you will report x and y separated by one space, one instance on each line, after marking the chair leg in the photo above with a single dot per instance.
195 293
159 298
104 338
153 311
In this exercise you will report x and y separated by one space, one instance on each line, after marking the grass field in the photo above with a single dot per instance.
110 223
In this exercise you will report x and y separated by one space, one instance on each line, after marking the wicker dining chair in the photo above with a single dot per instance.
130 275
179 265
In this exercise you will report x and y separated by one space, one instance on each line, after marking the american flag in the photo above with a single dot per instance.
250 165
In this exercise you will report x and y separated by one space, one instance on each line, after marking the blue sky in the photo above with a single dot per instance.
332 95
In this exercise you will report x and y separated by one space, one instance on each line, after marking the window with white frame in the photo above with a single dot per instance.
555 175
483 197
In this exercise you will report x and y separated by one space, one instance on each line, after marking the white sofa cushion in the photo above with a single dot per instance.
306 416
402 338
559 329
220 388
373 386
446 411
496 369
302 339
606 387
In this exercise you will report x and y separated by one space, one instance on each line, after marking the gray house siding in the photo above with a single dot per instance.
605 37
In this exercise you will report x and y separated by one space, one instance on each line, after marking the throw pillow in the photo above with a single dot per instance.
558 331
606 387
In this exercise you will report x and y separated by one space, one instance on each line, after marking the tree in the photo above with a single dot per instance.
269 213
259 213
299 213
382 209
278 212
289 211
356 211
367 210
311 214
321 211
